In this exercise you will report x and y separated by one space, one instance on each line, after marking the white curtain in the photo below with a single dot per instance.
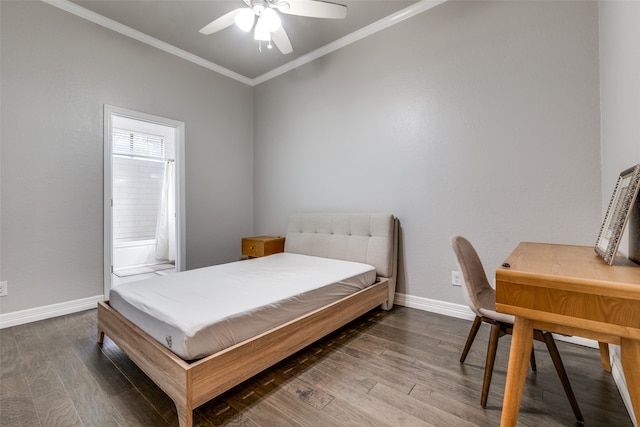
166 224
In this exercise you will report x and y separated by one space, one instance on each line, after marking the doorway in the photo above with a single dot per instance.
144 203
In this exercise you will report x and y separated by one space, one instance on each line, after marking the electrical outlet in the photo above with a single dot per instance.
4 289
455 278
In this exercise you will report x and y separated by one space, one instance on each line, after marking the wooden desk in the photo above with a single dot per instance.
570 290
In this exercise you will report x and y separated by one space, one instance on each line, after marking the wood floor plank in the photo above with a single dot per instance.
384 369
347 413
252 403
107 374
137 411
360 370
127 368
162 403
51 333
323 376
16 403
83 326
220 413
86 325
304 408
288 377
406 368
31 353
53 404
423 410
463 405
308 394
86 393
9 358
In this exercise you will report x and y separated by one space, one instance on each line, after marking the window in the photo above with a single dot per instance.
137 144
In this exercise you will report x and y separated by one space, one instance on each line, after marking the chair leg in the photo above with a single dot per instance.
488 367
562 373
472 335
532 361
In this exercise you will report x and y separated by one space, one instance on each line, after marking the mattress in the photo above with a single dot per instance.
200 312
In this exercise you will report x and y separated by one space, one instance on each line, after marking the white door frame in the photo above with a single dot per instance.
109 112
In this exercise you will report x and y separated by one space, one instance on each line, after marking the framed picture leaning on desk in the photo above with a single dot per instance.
625 195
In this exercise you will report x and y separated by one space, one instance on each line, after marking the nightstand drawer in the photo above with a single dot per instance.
258 246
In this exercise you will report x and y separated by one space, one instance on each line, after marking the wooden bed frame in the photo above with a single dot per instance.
190 385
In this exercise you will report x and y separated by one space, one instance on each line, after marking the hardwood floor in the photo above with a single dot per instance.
397 368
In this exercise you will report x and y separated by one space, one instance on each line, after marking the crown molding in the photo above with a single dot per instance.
395 18
80 11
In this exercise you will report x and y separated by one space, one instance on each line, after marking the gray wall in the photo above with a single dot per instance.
477 118
474 118
619 93
620 109
57 72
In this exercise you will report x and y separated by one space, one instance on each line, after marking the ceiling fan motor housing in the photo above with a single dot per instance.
258 6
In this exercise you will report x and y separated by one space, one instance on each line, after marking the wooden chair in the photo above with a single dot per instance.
481 298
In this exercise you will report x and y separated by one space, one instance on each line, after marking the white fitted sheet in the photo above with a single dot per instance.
200 312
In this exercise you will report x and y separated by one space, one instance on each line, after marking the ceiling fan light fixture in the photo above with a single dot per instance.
244 19
271 19
262 33
269 22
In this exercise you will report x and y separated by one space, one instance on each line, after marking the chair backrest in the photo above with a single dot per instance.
475 287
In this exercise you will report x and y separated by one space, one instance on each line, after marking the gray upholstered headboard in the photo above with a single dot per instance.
367 238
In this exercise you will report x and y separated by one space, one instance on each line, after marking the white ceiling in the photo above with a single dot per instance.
175 24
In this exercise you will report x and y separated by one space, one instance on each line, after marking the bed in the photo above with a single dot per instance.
192 373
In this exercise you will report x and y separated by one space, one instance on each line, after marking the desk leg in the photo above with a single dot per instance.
630 355
605 359
521 344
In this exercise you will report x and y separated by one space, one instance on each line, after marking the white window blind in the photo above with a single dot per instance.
137 144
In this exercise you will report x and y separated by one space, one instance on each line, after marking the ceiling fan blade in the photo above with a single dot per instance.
281 40
221 23
313 9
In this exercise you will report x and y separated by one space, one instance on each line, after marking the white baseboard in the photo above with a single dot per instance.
435 306
464 312
618 377
48 311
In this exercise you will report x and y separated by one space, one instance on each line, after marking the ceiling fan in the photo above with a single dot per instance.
268 26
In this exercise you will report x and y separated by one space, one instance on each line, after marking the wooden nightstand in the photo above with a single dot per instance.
258 246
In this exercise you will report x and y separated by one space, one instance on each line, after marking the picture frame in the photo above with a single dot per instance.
622 201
